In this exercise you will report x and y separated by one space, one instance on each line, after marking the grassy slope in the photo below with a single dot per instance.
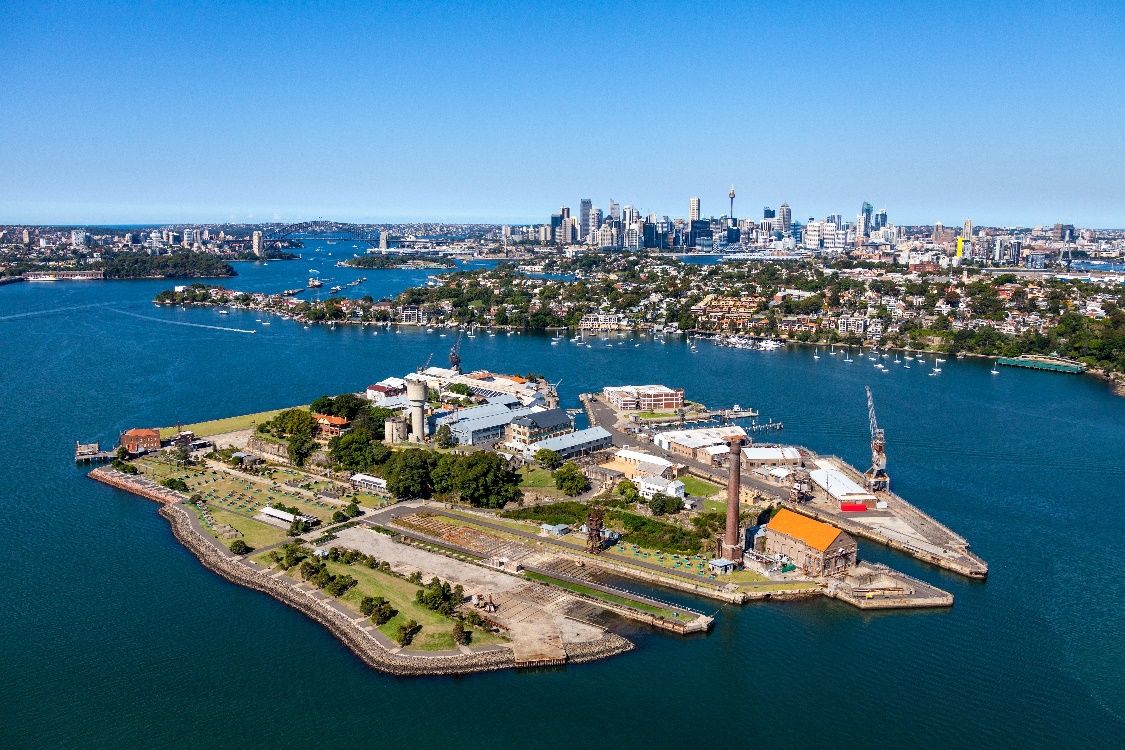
218 426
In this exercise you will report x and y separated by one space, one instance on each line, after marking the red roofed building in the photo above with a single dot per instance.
330 426
139 440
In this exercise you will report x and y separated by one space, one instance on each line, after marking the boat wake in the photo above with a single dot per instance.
182 323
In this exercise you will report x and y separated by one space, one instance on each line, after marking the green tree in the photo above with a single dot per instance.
570 479
406 632
239 547
443 438
484 480
408 473
352 510
548 458
300 448
460 389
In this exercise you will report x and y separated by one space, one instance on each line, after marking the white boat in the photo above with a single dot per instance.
816 354
555 342
265 322
224 312
937 369
938 359
906 366
994 371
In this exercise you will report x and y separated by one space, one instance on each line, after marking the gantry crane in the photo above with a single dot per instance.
876 476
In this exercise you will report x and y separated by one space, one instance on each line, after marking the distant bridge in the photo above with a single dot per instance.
320 228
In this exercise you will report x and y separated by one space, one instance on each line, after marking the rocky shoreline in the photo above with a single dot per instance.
351 633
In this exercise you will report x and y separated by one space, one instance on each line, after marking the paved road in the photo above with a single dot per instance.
606 416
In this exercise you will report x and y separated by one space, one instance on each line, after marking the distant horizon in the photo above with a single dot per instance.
1004 113
494 223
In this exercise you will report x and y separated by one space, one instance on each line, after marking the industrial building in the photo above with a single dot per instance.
637 463
574 443
538 426
816 548
756 456
705 444
647 487
850 495
485 427
644 397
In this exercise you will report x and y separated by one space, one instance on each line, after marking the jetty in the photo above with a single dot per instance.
91 453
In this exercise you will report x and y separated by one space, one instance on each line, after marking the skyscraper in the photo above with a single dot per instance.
693 209
614 210
256 244
881 218
967 229
864 220
784 217
769 213
595 224
584 207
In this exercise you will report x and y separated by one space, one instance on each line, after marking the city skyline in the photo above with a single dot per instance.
162 115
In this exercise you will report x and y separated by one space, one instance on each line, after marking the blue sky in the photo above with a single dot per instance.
1006 113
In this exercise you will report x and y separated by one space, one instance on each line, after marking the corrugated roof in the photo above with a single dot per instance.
813 533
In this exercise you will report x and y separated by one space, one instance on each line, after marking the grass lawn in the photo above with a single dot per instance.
538 478
698 487
218 426
611 598
655 414
255 534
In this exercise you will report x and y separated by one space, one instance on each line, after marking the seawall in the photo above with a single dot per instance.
349 630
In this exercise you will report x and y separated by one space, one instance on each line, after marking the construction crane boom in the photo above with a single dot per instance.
876 476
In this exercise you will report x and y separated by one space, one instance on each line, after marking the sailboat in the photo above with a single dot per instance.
847 357
816 354
994 371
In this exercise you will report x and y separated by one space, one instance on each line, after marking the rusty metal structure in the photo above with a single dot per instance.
594 525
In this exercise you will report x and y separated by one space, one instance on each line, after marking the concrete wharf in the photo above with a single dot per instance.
91 453
900 526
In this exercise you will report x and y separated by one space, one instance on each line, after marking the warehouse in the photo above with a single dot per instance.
841 489
574 443
814 547
756 456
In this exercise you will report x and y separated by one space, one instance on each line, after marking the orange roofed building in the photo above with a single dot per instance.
817 548
330 426
140 439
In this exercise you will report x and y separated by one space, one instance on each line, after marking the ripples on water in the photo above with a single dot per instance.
115 636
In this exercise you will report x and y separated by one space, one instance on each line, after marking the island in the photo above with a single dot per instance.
448 522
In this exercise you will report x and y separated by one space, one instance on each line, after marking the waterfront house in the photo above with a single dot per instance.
329 426
140 440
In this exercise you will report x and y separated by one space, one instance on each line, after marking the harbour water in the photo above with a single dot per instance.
115 636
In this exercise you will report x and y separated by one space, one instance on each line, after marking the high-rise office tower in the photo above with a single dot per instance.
256 244
565 212
967 229
881 218
693 209
865 219
628 216
614 210
784 217
584 207
769 213
594 225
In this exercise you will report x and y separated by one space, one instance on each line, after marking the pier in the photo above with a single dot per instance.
91 453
